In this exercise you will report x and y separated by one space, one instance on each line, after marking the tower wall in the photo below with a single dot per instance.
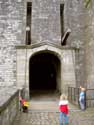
46 27
12 25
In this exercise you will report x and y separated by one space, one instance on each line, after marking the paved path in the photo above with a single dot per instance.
40 114
43 110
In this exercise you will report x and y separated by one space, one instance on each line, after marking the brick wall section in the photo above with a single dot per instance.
11 34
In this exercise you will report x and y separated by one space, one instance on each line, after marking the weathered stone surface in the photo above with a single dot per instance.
65 66
9 105
89 47
46 27
11 34
46 21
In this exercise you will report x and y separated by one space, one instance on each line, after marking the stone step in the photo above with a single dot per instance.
48 106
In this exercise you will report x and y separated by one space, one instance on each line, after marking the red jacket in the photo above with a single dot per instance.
23 101
63 106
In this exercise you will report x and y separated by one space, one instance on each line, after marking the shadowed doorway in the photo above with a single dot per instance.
44 73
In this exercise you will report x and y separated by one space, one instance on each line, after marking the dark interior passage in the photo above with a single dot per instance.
43 72
43 76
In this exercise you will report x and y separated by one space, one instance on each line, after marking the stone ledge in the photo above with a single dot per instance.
9 104
6 95
45 43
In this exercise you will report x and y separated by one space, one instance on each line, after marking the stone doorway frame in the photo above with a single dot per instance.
57 68
67 61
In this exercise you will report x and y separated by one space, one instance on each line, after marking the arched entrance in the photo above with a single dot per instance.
44 72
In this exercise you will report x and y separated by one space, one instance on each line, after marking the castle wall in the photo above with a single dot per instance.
66 75
89 46
45 27
46 21
75 18
12 24
9 105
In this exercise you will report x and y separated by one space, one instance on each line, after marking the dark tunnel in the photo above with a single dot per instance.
43 69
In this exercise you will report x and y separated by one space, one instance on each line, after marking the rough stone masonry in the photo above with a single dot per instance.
46 27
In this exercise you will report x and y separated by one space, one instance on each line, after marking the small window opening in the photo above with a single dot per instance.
28 23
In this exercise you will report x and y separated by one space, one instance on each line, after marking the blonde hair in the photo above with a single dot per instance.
63 97
82 88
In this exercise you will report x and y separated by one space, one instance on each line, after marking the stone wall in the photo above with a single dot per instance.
89 46
75 18
46 21
81 21
79 67
9 105
45 27
66 73
12 23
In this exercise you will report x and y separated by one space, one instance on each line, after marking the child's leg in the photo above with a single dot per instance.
61 118
82 106
66 121
23 108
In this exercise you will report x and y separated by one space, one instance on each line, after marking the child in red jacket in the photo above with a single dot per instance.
63 107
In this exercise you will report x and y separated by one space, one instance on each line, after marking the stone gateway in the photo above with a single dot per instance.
46 44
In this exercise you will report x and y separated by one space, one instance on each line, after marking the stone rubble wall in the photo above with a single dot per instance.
12 23
9 105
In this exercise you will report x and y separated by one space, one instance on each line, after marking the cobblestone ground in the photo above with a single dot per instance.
44 111
76 117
